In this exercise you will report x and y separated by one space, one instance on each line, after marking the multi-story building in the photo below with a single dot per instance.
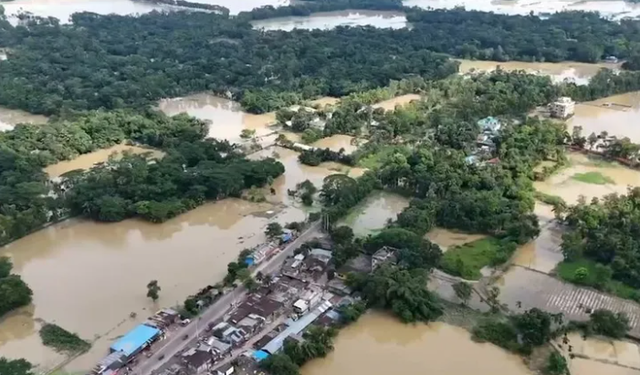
564 107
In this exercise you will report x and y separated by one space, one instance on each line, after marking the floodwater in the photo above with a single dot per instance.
565 186
100 270
374 212
380 345
577 72
87 161
325 101
615 9
619 115
226 117
390 105
446 238
543 253
337 142
624 353
579 366
65 8
329 20
9 118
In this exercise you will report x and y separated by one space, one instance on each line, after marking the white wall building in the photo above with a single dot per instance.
564 107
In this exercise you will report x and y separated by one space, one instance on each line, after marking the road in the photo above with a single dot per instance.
174 344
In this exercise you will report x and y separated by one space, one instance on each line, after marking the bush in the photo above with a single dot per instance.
606 323
62 340
502 334
556 365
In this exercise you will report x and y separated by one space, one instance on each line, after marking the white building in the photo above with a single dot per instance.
564 107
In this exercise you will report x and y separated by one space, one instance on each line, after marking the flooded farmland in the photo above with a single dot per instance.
577 72
619 115
87 161
9 118
374 212
379 345
446 238
337 142
329 20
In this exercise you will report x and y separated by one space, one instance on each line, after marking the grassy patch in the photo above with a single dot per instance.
467 260
376 159
596 178
552 200
62 340
568 271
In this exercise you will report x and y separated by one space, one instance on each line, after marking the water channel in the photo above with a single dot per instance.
329 20
9 118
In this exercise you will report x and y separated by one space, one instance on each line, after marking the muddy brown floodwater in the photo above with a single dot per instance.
380 345
226 117
337 142
9 118
373 214
390 105
619 115
577 72
329 20
446 238
88 277
87 161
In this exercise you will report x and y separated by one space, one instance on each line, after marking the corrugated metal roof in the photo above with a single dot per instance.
295 328
135 339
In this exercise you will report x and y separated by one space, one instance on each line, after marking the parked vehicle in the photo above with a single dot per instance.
161 357
185 337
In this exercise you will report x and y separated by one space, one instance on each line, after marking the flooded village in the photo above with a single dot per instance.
295 292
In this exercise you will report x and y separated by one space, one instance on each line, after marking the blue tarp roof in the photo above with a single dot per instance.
259 355
135 339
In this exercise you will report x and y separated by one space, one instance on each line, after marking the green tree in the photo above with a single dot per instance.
607 323
280 364
463 291
251 284
273 230
152 290
5 267
15 367
556 365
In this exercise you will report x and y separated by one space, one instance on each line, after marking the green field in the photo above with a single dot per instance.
596 178
567 271
467 260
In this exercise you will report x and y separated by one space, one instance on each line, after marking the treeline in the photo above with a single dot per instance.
14 292
124 61
576 36
307 7
606 231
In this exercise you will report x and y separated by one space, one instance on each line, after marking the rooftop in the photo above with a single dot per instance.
135 339
362 263
262 306
198 358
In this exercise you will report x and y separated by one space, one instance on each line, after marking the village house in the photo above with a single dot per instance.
198 361
368 263
256 304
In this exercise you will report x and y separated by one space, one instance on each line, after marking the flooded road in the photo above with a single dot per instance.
565 185
379 345
577 72
87 161
100 270
619 115
329 20
615 9
226 117
9 118
373 214
446 238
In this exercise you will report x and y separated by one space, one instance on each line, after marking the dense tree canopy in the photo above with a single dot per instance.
15 367
14 292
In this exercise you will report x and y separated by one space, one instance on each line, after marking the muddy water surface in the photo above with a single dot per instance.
100 270
226 117
543 253
446 238
9 118
374 212
379 345
577 72
329 20
624 353
87 161
619 115
337 142
615 9
565 186
579 366
390 105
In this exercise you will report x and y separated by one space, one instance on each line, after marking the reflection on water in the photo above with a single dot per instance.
618 115
563 185
446 238
329 20
390 105
374 212
100 270
577 72
9 118
616 8
225 116
380 345
87 161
